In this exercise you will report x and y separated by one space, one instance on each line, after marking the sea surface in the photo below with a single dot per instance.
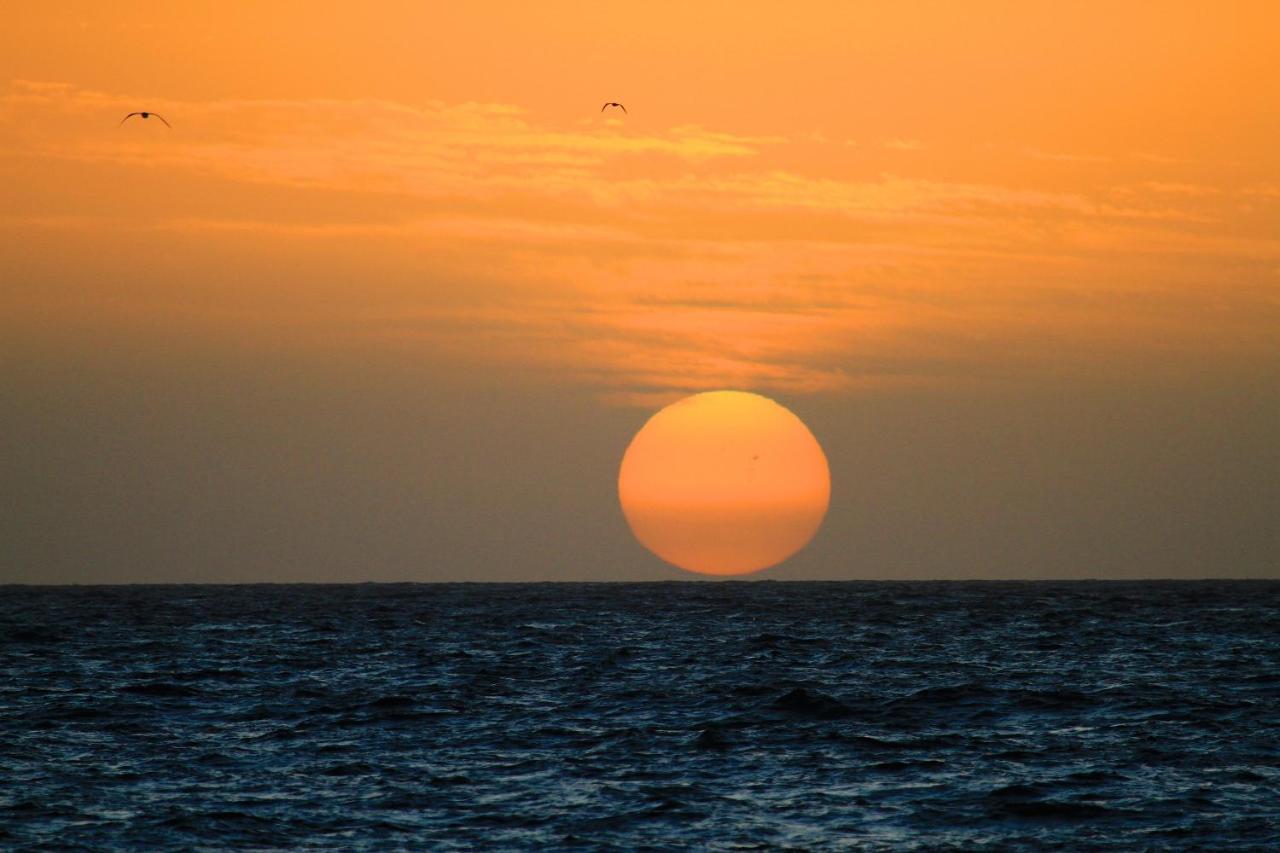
757 715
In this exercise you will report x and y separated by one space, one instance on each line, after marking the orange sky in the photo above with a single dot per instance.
839 197
841 205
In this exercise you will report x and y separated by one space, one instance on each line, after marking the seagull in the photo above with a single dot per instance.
613 104
146 115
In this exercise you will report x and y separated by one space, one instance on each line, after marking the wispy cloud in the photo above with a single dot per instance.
904 145
643 263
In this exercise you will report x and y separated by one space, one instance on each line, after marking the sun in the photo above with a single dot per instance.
724 483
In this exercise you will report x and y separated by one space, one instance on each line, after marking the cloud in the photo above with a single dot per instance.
904 145
1064 157
636 262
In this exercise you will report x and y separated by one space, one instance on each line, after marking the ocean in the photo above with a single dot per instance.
704 715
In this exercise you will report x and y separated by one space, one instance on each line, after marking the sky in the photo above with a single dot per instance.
393 295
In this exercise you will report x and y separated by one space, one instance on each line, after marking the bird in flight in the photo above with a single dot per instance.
146 115
613 104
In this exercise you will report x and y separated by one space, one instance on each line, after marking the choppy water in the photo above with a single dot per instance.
721 715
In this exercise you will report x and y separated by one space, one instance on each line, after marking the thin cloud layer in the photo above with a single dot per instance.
638 261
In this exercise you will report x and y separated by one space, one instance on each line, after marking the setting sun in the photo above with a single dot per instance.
724 483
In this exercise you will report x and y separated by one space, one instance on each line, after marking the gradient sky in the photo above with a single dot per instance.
392 297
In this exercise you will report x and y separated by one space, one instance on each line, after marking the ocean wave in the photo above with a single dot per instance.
751 715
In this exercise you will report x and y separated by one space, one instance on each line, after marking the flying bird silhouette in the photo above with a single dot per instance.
146 115
613 104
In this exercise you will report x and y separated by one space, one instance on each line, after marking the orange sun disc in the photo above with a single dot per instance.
724 483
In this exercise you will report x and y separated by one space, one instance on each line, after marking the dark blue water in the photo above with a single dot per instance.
736 715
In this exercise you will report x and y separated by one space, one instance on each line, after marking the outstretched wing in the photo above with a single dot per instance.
605 107
166 124
624 109
129 116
